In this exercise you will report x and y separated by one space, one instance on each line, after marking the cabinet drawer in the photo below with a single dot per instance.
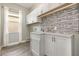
48 36
35 36
60 37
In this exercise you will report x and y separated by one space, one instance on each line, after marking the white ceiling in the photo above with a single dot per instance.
28 5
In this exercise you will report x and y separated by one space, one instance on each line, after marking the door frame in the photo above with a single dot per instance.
6 33
5 40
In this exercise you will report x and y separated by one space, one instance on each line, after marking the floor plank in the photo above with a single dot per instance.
22 49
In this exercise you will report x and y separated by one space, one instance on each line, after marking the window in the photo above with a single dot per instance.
13 24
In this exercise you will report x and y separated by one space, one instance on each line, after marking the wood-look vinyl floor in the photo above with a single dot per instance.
22 49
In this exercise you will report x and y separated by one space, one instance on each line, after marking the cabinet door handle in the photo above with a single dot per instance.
54 39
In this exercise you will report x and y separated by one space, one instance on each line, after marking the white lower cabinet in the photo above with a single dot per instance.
61 46
37 44
57 46
53 44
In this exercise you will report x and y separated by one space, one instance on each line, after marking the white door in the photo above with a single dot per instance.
49 45
61 46
13 30
12 27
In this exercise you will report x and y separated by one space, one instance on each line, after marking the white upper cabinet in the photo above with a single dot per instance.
32 17
44 8
49 6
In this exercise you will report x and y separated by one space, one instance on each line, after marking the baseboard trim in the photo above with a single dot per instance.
16 43
13 44
23 41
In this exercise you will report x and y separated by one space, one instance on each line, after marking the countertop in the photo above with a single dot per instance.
49 33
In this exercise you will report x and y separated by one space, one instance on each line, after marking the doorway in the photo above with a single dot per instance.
12 27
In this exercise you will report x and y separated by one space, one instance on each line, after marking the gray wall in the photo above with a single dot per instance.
25 31
1 24
66 21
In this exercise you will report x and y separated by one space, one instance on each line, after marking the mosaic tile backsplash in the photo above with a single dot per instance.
65 21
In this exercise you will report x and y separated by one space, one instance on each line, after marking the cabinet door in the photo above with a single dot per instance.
49 45
35 44
61 46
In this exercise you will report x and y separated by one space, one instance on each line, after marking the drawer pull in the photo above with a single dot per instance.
52 39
